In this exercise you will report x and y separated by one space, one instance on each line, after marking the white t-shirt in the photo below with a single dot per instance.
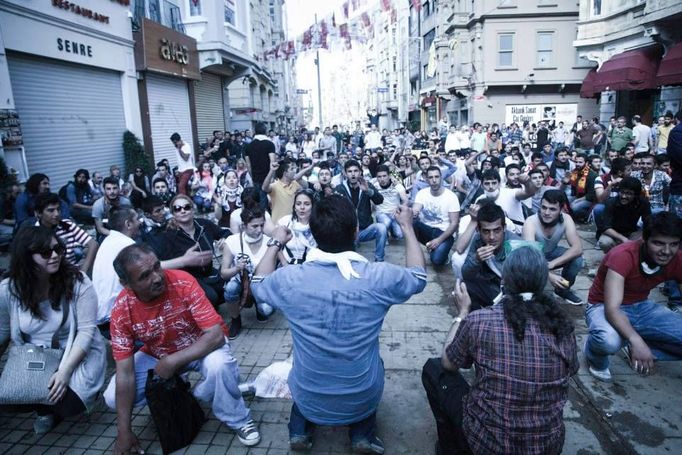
641 133
435 211
183 164
302 240
234 246
104 278
373 140
391 197
511 206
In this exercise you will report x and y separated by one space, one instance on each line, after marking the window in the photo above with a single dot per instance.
545 45
395 90
596 7
230 13
426 8
195 7
505 49
395 63
428 39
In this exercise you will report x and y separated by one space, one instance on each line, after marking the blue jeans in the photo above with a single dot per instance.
581 209
660 328
426 233
391 224
300 426
598 215
377 232
219 385
570 270
675 204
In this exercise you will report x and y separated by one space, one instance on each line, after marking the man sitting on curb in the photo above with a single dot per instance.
168 311
335 304
619 313
549 227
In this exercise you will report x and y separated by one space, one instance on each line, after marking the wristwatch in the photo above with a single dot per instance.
275 242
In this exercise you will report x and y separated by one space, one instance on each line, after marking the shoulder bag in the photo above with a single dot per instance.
246 299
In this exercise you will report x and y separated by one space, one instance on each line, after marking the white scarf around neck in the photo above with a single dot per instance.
341 260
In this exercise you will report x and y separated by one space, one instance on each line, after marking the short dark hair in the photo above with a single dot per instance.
581 155
490 174
151 203
251 213
159 179
640 155
175 137
110 180
118 217
662 158
333 223
535 171
662 223
45 199
130 254
433 168
554 197
510 167
383 168
260 128
351 163
618 165
536 155
490 212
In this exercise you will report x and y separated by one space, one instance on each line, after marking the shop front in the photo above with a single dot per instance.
71 93
168 64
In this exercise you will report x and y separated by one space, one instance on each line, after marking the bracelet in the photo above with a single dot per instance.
275 242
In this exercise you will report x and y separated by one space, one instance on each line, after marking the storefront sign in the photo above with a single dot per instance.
80 10
535 113
73 47
163 50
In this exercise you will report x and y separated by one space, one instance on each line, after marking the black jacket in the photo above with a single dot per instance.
364 208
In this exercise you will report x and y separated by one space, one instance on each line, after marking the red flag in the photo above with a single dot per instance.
345 10
307 39
394 15
343 31
386 5
417 4
289 50
324 31
354 4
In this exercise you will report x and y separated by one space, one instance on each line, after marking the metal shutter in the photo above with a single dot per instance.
71 116
208 95
168 113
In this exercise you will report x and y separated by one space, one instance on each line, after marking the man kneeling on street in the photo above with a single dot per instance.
335 304
170 314
619 313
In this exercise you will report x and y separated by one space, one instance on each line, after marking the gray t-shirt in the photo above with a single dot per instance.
100 209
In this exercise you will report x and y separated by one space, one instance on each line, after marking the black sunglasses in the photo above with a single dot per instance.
47 252
179 208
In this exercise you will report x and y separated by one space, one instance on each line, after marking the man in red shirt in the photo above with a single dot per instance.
170 314
619 313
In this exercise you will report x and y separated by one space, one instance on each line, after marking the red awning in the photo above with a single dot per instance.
670 69
587 89
631 70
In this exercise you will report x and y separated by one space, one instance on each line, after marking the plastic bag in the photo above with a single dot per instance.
272 382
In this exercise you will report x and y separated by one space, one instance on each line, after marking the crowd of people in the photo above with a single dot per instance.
272 223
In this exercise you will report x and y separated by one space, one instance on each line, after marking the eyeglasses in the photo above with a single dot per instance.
47 252
180 208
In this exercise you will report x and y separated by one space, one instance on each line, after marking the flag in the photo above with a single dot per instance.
345 10
307 38
394 15
417 4
343 31
289 50
324 31
386 5
365 20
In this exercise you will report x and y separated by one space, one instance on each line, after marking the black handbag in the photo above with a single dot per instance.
175 412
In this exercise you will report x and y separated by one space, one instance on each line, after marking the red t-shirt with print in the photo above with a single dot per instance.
170 323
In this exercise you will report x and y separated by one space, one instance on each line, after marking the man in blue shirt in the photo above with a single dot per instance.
335 304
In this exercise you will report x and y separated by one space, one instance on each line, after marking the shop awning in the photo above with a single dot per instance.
670 69
587 89
631 70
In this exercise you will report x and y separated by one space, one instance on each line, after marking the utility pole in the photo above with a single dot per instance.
319 86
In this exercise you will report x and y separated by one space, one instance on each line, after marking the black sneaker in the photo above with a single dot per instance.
365 445
260 316
235 328
300 442
248 434
569 296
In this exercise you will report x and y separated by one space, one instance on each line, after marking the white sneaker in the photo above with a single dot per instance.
601 375
248 434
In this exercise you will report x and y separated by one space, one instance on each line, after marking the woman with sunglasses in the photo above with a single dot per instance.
43 296
296 249
185 232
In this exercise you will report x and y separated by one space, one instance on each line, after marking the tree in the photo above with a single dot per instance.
134 154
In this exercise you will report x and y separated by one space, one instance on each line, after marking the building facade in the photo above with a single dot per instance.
68 85
636 47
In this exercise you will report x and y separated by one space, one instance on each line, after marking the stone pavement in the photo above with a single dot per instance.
634 414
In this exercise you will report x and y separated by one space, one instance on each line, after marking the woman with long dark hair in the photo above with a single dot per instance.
44 295
524 351
296 249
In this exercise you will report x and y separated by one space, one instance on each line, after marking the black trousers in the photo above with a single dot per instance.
70 405
445 390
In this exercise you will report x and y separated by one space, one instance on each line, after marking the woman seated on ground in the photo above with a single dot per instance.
41 285
250 197
296 249
140 187
524 351
203 187
185 232
228 192
244 251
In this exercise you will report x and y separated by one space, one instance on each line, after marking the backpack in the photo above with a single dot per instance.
62 192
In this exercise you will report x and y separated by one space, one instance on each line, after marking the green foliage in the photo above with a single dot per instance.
134 154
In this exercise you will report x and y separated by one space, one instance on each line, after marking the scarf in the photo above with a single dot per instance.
579 181
556 164
341 260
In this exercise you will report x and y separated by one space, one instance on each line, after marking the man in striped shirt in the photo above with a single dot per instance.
75 239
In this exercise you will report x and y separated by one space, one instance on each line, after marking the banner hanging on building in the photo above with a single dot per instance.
535 113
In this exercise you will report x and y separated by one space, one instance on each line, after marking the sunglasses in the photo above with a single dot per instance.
180 208
47 252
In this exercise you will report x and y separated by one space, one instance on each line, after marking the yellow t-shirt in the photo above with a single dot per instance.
663 133
282 198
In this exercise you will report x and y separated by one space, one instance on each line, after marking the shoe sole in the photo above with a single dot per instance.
598 378
570 302
247 442
300 446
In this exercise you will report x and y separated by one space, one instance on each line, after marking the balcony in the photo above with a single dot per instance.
160 11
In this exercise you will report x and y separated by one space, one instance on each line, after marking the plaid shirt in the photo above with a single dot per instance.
516 402
660 182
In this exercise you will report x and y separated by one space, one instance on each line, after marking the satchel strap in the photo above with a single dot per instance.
65 314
